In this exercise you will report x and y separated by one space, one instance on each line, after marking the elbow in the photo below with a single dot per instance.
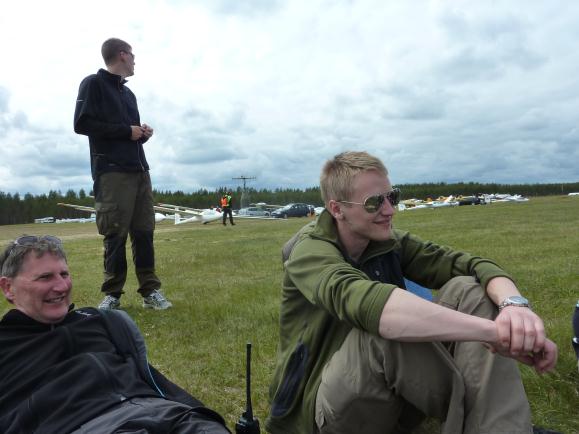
389 330
78 129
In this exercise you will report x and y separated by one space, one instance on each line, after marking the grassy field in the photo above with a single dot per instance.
224 283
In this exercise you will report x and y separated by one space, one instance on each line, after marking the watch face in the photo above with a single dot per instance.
517 299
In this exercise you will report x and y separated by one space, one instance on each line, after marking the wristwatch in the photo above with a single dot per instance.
515 300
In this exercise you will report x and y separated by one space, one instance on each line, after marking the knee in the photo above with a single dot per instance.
466 294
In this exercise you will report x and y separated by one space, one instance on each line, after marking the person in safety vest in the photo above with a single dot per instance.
226 202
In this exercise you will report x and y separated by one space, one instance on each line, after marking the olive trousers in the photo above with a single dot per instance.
373 385
124 206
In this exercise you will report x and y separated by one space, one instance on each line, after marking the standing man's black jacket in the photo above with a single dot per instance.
54 378
105 110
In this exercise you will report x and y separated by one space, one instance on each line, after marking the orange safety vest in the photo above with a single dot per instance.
224 201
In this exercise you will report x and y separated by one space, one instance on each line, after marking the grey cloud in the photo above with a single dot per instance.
50 156
4 99
466 65
406 101
193 148
485 49
246 7
205 150
199 120
8 120
534 120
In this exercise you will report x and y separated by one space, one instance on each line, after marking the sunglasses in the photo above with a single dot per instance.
31 240
373 203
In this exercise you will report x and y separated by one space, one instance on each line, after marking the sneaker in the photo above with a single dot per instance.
110 302
155 300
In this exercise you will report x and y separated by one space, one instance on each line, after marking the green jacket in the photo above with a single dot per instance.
325 295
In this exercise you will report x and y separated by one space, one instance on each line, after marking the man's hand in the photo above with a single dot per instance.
520 330
543 361
147 131
137 132
521 335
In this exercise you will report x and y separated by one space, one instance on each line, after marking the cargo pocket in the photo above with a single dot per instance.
107 218
294 374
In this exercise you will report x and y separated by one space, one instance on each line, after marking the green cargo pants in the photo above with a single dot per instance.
124 206
373 385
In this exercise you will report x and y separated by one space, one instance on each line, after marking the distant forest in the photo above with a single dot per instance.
16 209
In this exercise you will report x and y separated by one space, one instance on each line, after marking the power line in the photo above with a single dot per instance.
244 179
244 196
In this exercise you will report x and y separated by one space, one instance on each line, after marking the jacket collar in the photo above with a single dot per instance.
117 79
15 317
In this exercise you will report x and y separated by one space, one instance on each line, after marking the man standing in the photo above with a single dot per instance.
106 111
359 353
226 204
92 363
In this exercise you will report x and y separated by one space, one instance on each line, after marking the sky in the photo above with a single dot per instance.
441 91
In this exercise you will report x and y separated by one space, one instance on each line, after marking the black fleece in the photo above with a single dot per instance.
105 110
53 378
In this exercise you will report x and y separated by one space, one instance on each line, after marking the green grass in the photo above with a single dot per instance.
224 283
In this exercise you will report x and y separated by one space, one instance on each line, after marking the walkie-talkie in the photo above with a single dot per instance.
247 424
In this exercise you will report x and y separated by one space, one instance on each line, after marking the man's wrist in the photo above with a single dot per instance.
516 301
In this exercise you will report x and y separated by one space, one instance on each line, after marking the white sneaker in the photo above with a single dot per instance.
110 302
155 300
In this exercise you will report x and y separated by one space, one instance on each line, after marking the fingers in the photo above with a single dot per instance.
521 335
136 132
540 338
147 130
547 359
520 331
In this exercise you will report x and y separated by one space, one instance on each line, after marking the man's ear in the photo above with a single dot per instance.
335 209
6 285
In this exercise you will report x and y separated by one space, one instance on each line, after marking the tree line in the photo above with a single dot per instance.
16 209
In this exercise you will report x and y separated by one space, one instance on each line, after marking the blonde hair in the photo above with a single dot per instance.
338 173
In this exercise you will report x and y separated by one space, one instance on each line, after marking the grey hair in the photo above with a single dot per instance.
13 256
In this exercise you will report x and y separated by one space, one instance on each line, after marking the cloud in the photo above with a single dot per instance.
442 91
244 8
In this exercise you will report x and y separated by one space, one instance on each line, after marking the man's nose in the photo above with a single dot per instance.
386 208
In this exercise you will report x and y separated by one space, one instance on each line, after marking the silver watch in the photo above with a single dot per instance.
515 300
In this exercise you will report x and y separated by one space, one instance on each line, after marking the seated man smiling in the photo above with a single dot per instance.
358 353
78 371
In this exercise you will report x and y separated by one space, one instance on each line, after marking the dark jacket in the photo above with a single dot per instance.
54 378
105 111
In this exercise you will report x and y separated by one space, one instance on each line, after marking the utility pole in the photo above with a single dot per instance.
244 196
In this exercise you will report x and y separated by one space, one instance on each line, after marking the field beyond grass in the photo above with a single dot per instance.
224 283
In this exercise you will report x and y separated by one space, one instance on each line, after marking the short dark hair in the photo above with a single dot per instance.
13 256
111 47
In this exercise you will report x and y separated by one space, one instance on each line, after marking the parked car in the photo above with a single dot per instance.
253 212
292 210
318 210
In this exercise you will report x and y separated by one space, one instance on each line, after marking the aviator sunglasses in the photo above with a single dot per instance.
31 240
373 203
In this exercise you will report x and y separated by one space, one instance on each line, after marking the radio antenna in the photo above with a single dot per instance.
247 424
